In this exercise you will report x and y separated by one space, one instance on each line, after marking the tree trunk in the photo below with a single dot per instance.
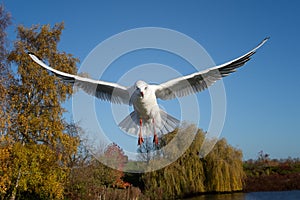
14 192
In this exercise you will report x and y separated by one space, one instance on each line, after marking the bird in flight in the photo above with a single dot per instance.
147 117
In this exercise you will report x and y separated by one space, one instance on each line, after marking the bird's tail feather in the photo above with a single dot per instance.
131 124
169 123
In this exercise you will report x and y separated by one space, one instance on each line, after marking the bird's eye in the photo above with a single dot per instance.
146 88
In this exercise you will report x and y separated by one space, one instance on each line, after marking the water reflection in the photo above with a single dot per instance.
234 196
284 195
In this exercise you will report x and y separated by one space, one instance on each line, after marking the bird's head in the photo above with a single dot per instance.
141 88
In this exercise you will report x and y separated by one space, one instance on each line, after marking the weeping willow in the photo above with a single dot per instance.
220 171
224 168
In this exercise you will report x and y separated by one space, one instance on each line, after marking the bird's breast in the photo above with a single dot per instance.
145 107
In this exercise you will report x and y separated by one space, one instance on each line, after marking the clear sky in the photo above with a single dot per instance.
263 111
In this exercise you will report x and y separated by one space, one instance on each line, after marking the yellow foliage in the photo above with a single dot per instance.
36 158
5 148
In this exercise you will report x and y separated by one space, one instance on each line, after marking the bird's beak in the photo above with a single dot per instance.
142 94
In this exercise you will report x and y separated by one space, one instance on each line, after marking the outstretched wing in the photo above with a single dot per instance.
103 90
199 81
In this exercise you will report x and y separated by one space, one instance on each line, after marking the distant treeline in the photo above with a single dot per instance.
265 174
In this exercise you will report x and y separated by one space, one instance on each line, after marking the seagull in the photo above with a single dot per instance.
147 116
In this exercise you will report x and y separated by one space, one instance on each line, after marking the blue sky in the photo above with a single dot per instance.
263 111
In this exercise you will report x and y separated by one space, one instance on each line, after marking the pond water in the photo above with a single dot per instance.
284 195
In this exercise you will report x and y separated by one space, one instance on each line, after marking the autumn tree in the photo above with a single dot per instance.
5 80
115 158
5 72
41 146
90 176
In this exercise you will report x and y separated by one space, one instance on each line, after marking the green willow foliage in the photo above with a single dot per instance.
224 168
220 171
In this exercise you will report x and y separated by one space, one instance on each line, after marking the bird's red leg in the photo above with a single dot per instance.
155 138
140 140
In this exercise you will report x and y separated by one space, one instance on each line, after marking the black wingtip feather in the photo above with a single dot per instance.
31 53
